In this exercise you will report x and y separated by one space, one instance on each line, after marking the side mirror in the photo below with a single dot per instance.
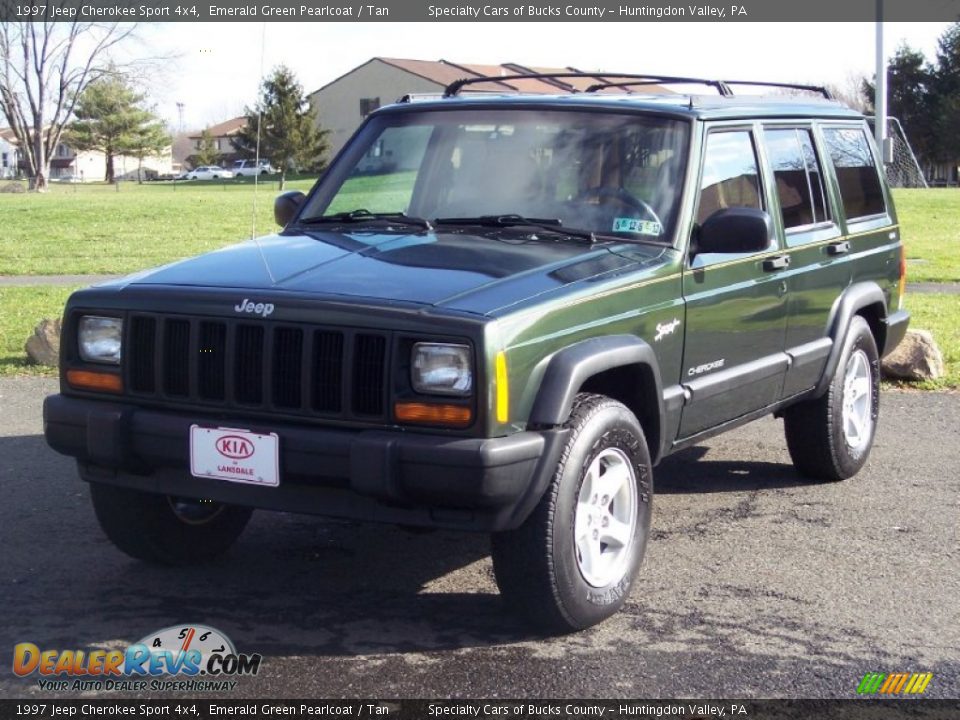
286 205
735 230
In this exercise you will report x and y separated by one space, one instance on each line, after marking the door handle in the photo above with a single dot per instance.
838 248
778 262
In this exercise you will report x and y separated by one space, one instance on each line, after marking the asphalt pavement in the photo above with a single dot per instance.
755 584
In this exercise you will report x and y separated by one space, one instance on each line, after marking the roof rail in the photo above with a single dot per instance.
790 86
414 97
454 88
626 80
720 85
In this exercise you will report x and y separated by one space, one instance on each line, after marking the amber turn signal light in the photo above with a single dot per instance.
98 381
433 414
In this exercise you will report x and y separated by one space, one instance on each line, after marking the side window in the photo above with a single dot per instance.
730 175
796 171
860 186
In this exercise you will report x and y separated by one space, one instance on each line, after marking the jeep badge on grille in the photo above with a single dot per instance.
249 306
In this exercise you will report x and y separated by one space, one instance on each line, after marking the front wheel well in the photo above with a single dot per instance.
634 386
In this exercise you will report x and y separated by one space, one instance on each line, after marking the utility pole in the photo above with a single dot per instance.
180 116
880 99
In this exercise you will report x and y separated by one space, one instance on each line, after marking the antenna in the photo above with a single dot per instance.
256 167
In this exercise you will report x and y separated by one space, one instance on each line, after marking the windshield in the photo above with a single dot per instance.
611 174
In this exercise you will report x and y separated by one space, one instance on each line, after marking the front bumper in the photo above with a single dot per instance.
391 476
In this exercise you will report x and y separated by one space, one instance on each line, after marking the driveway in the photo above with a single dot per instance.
755 584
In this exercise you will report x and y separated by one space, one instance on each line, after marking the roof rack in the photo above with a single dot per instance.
454 88
790 86
626 80
720 85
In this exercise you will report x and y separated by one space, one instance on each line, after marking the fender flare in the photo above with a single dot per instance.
851 301
569 368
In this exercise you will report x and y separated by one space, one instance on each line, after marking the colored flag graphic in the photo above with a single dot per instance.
894 683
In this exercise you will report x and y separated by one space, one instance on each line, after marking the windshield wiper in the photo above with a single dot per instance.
551 225
362 215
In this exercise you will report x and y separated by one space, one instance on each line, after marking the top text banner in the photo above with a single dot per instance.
467 11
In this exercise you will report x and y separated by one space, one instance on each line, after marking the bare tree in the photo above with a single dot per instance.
44 67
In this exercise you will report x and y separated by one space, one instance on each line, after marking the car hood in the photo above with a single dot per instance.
477 273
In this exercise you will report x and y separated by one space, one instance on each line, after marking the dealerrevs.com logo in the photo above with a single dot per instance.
179 658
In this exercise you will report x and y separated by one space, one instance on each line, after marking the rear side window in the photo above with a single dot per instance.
796 171
860 187
730 175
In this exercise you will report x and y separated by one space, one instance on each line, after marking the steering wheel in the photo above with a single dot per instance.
621 196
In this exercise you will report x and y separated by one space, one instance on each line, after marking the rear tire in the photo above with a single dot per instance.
829 438
166 530
573 561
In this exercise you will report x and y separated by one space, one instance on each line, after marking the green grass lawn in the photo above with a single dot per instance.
930 222
940 314
96 229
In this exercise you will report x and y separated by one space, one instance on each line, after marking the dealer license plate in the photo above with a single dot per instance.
235 455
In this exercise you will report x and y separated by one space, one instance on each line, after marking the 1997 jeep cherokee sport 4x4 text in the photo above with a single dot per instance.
536 301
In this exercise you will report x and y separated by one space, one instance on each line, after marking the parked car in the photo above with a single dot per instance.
249 168
209 172
507 339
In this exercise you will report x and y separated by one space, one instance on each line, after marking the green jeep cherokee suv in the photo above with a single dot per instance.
502 327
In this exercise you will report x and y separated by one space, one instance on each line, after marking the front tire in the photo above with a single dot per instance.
166 530
829 438
573 561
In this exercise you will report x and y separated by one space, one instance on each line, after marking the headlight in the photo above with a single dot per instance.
99 339
442 369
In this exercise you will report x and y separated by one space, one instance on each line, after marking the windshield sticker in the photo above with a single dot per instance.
633 225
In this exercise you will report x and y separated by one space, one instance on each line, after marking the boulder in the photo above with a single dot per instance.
43 347
917 357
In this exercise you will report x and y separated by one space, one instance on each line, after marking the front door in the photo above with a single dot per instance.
733 359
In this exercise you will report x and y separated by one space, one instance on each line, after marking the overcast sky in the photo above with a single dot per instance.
217 66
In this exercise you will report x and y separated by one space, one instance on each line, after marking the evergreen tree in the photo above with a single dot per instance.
925 97
910 97
207 153
148 140
109 116
946 110
289 136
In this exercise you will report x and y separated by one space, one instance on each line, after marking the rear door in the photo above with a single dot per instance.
809 229
736 302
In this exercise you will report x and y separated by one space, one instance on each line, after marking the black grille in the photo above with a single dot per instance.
176 358
212 361
287 367
248 364
327 371
368 362
258 365
143 332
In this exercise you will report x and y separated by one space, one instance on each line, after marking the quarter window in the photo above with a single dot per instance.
803 198
856 171
730 175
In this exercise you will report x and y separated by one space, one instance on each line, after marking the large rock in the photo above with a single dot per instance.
917 357
43 347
